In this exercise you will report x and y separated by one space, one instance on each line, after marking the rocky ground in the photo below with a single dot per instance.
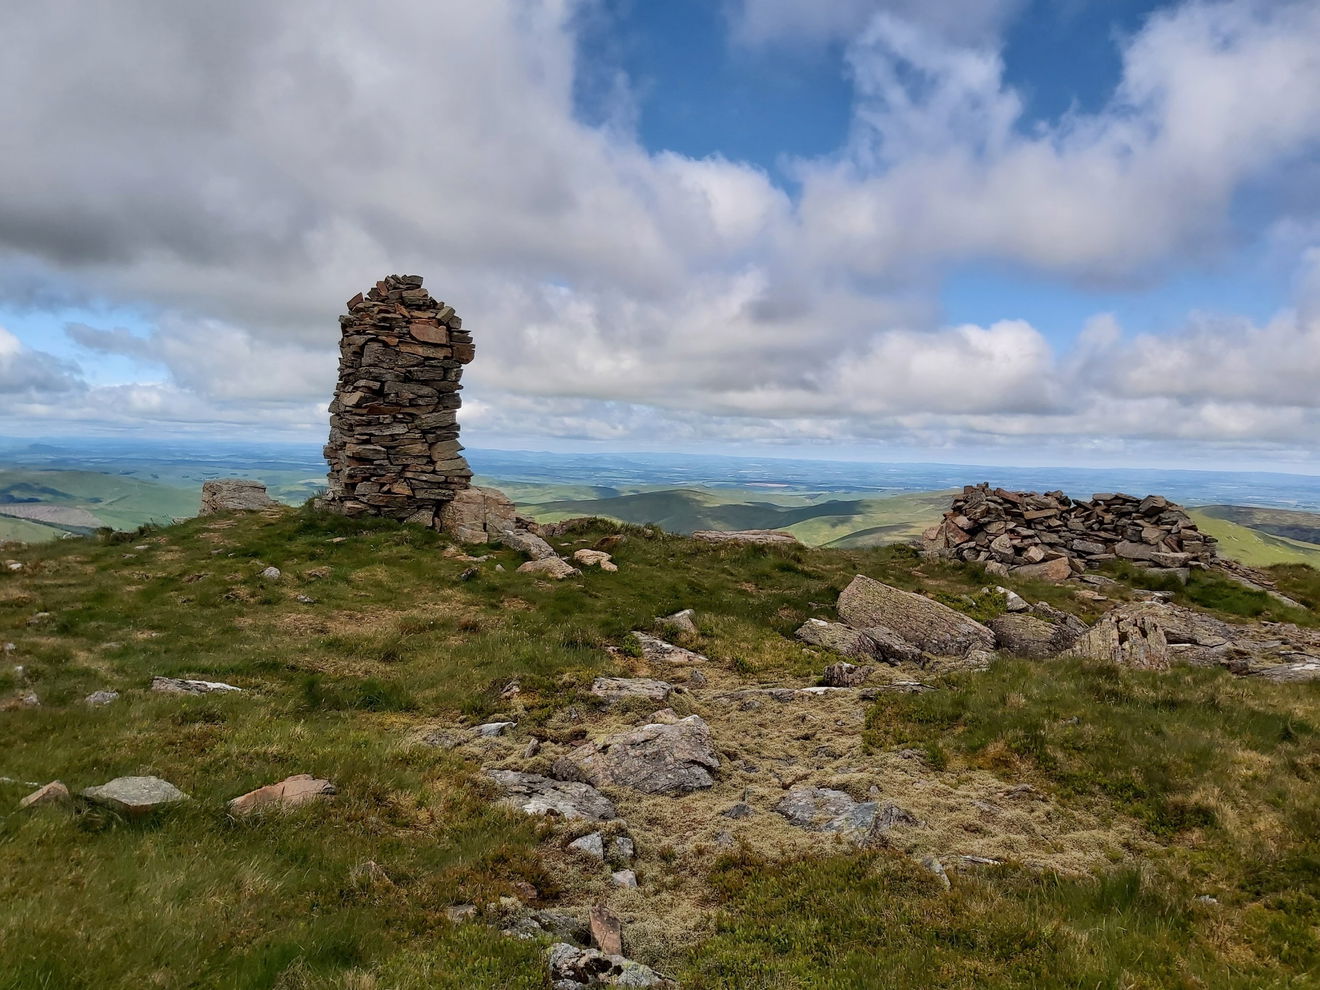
684 767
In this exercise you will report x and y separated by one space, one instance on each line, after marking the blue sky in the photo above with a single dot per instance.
970 230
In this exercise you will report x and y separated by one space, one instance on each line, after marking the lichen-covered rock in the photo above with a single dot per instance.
551 567
655 650
1155 635
181 685
925 624
755 537
528 544
679 622
476 515
595 558
658 758
822 809
1028 636
234 495
537 795
615 689
135 795
572 967
871 644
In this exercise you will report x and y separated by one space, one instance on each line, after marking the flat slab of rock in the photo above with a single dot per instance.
1289 673
98 698
771 537
656 650
135 795
53 794
180 685
537 795
290 792
234 495
658 758
679 622
551 567
926 624
615 689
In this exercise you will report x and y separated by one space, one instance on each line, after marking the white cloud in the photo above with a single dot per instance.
237 173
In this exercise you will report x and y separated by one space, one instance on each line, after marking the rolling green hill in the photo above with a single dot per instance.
116 501
816 520
1253 547
1288 523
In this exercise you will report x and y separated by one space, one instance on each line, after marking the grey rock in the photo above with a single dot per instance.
624 878
272 573
537 795
180 685
1287 673
1028 636
489 730
658 758
135 795
528 544
933 864
572 967
756 537
738 811
622 850
657 650
616 689
925 624
680 622
98 698
551 567
592 845
821 809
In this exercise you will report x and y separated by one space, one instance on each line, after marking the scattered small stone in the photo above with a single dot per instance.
592 845
933 864
305 599
181 685
740 810
821 809
622 850
272 573
491 729
531 749
54 793
135 795
572 968
680 622
844 674
24 699
13 565
624 878
725 840
97 698
982 861
1207 899
9 647
288 793
460 912
38 618
470 573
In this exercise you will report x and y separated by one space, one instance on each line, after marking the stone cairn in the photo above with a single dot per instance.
1052 536
393 448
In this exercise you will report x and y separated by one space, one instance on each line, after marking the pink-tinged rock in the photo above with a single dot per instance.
1055 570
54 793
288 793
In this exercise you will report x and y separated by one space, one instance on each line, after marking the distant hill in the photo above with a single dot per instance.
1252 546
1289 523
45 504
814 519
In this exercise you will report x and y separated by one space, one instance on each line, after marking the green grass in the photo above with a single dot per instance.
1219 774
1240 539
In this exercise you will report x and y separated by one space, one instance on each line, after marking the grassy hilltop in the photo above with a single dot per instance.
1147 793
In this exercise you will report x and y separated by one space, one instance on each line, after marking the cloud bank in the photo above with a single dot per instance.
235 172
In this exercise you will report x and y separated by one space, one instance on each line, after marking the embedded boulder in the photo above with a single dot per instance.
182 685
290 792
925 624
874 643
658 758
822 809
616 689
551 567
757 537
537 795
476 515
1028 636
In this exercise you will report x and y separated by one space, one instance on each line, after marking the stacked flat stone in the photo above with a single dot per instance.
393 448
1025 529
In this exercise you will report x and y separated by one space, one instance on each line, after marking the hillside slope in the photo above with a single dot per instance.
1082 812
1254 547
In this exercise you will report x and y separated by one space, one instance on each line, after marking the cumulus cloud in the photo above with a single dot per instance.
235 172
24 371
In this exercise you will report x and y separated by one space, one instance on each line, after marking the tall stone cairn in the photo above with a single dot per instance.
393 448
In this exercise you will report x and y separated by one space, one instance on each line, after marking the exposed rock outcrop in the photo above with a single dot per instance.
920 621
658 758
761 537
1155 635
234 495
537 795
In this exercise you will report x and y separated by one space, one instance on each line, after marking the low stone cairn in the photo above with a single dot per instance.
1050 536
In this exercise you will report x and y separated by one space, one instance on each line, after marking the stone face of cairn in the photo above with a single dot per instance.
1026 529
393 448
